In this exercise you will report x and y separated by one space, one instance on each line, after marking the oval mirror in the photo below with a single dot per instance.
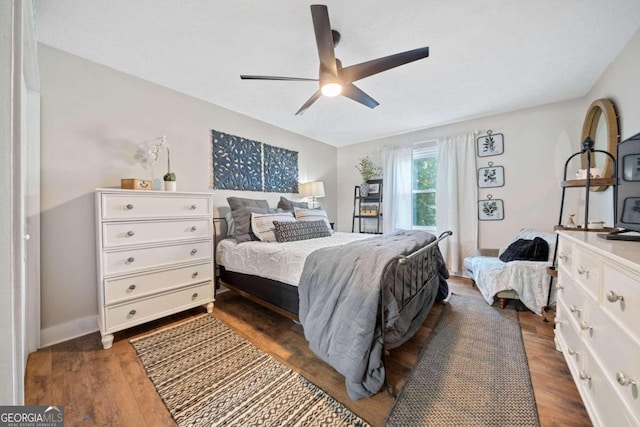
601 125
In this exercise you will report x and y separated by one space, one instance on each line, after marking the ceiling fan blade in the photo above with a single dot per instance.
302 79
356 72
324 38
307 104
351 91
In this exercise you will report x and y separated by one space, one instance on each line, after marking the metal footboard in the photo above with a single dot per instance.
405 278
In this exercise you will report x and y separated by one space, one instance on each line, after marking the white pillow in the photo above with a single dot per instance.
312 215
262 224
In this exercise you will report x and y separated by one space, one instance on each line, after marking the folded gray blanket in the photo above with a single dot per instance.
339 300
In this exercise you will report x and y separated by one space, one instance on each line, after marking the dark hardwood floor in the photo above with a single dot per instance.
110 387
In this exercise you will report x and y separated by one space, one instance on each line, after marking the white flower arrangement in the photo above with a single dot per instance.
158 145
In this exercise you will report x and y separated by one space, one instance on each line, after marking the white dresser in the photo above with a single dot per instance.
598 324
155 256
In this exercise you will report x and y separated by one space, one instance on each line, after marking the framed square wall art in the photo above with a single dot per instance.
490 209
491 176
491 144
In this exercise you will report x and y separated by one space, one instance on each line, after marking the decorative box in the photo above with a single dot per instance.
135 184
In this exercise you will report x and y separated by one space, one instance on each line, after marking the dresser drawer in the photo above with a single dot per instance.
124 206
126 315
132 233
565 256
605 407
587 272
570 342
131 260
573 300
625 311
137 286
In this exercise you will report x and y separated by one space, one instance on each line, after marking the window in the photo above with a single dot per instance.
425 169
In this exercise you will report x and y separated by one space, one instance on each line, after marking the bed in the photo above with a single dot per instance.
355 280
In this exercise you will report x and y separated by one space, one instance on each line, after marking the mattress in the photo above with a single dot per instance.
277 261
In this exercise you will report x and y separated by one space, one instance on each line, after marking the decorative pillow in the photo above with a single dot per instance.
526 250
236 203
242 221
288 205
300 230
312 215
262 224
231 225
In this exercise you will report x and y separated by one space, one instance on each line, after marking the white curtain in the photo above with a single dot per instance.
457 198
396 190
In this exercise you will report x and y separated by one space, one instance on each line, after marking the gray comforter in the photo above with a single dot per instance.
339 298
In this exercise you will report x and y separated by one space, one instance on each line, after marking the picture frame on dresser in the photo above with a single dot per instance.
154 256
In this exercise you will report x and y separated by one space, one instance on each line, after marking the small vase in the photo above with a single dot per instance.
170 186
364 189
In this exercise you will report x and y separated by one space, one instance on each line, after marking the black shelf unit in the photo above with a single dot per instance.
587 151
362 215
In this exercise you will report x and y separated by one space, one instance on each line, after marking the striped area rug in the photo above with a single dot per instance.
472 372
208 375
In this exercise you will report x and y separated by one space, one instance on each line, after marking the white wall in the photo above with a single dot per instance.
537 141
93 119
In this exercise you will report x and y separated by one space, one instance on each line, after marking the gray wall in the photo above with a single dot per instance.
93 119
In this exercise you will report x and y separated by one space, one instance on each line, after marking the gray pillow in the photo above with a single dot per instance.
236 203
288 205
300 230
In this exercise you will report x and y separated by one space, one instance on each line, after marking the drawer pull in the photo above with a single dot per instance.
131 314
585 326
130 233
559 287
128 207
194 228
557 322
193 207
581 271
584 376
572 352
132 287
130 260
574 309
194 251
562 256
194 275
623 380
194 296
613 297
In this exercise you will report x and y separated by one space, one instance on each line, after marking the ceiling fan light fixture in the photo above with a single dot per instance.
331 89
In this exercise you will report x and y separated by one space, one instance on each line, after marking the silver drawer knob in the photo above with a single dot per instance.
572 351
193 207
130 260
129 207
574 309
557 322
131 313
194 251
194 296
194 275
562 256
559 287
194 228
623 380
613 297
130 233
581 271
585 326
584 376
132 287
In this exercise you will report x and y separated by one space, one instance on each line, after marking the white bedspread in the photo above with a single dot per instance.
277 261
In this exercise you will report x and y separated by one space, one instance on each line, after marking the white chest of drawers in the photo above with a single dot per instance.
154 255
598 324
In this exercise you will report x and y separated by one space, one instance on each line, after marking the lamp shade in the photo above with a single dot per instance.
312 189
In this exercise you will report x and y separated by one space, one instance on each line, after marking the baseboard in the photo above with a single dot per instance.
67 331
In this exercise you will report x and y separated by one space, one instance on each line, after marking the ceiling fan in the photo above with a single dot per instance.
335 80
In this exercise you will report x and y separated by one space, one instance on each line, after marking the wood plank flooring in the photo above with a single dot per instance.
110 387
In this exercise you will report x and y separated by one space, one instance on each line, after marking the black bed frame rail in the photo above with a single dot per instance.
404 278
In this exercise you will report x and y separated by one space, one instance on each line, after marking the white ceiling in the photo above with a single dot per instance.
486 57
